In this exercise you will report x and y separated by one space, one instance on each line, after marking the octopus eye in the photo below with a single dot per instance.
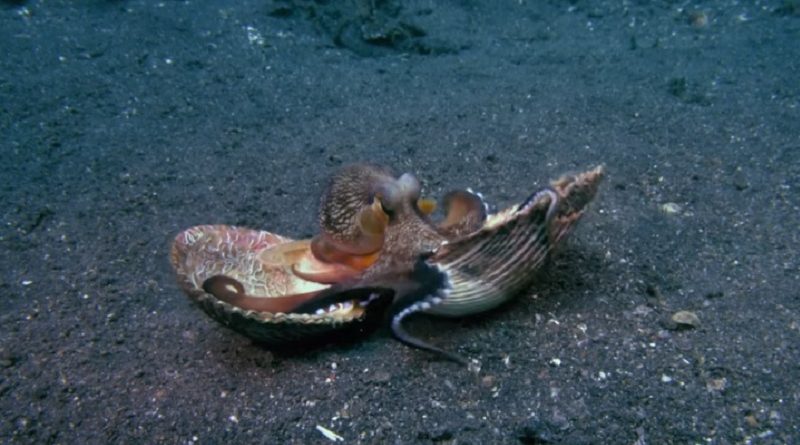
426 205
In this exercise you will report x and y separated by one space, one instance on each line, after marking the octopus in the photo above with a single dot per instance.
380 254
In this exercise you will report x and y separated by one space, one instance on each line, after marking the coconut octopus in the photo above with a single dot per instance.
379 254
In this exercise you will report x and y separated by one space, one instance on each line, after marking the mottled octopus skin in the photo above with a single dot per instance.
467 263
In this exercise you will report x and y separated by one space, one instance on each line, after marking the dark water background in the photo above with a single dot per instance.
123 122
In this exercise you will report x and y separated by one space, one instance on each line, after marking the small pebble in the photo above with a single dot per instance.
740 181
717 385
671 208
379 377
330 435
698 19
686 319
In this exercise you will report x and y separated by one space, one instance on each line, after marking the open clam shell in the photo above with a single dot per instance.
490 266
276 290
254 259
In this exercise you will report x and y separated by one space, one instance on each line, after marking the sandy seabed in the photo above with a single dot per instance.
124 122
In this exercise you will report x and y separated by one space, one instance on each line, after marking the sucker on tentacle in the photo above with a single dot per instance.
432 289
399 332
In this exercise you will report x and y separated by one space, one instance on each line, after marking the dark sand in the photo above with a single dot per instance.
124 122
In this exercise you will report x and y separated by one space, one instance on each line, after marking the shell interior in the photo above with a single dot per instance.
249 257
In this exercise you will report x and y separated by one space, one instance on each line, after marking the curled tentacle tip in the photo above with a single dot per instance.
399 332
549 194
433 291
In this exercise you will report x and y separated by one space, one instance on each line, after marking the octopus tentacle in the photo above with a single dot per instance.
399 332
534 198
427 287
231 291
340 294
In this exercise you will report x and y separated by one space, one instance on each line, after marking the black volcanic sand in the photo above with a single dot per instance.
124 122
